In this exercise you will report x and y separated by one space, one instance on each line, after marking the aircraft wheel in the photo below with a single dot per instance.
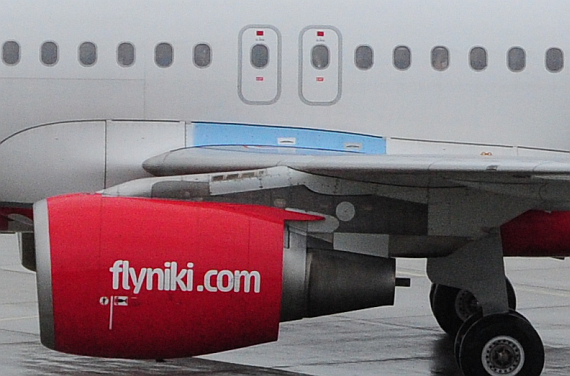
501 344
461 332
452 306
467 324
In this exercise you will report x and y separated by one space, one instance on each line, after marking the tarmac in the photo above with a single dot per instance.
402 340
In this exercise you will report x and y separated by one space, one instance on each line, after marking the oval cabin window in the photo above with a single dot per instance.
202 55
478 58
516 59
259 56
164 55
126 54
440 58
49 53
11 53
364 57
402 57
88 54
554 60
320 57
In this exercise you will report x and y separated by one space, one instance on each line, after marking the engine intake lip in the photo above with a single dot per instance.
43 274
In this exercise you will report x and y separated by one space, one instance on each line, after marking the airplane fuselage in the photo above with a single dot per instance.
517 108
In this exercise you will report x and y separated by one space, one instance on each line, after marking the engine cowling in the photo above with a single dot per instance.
147 279
537 234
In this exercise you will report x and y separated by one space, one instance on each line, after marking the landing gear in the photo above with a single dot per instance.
452 306
500 344
493 340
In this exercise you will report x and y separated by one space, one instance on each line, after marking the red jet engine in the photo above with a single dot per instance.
152 279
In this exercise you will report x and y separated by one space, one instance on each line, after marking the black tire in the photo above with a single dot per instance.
467 324
501 344
452 306
461 333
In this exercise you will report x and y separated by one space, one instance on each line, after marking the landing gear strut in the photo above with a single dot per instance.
452 306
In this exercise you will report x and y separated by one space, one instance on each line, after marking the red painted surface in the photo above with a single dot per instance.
90 233
537 234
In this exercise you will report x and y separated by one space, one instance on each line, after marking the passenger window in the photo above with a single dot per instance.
87 54
516 59
554 60
364 57
202 55
478 58
126 54
49 53
320 56
259 56
402 57
163 55
11 53
440 58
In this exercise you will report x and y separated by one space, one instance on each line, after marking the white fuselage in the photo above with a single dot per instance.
513 113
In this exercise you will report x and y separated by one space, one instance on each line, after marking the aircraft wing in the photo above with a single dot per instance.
543 179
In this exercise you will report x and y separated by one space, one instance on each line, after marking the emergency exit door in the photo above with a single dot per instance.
259 70
320 65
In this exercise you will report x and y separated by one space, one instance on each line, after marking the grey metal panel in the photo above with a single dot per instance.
30 102
27 248
193 160
477 267
53 159
366 244
43 274
294 298
130 143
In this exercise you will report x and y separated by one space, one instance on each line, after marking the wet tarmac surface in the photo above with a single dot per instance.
403 340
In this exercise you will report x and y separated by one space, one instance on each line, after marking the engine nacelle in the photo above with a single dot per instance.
537 234
148 279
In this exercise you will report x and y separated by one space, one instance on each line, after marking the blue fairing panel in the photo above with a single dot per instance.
217 134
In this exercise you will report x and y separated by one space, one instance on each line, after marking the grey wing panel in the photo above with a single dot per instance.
545 180
365 167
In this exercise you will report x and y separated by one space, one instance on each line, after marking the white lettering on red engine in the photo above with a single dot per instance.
171 278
